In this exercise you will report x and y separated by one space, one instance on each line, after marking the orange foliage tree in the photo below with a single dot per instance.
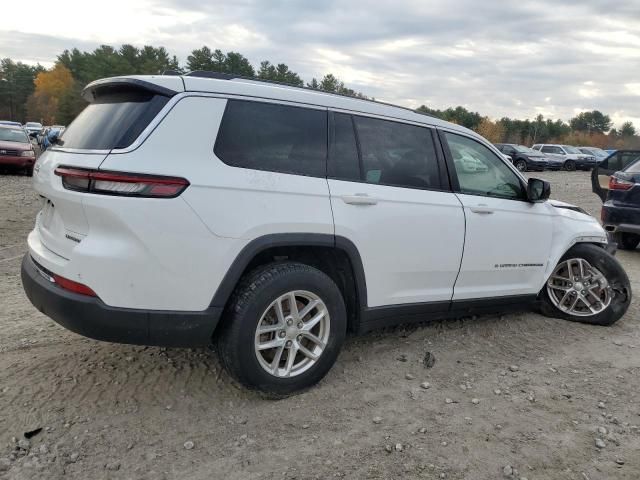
51 86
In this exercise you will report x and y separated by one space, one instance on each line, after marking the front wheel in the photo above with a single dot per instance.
521 165
569 165
284 328
588 285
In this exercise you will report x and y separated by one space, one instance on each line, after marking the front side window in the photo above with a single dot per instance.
397 154
343 157
480 171
273 137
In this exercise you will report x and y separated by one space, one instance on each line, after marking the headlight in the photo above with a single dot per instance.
28 153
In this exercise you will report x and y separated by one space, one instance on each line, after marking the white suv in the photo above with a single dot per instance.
181 210
572 157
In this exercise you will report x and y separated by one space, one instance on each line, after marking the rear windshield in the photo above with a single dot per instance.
113 120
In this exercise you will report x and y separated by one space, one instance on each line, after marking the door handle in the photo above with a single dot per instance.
482 208
359 199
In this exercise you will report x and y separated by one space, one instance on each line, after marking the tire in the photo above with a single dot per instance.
251 302
29 172
615 275
569 165
521 165
627 241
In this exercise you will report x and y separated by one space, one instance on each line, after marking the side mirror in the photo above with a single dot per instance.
538 190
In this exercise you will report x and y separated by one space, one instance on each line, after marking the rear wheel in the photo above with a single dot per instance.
570 165
588 285
284 328
521 165
627 241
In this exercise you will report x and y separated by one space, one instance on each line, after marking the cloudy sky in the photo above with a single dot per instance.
508 58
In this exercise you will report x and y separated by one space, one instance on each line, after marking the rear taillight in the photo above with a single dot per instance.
121 183
619 184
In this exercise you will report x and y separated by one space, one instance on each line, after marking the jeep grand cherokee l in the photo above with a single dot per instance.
181 210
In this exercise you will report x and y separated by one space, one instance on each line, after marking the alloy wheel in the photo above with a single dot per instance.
292 334
577 288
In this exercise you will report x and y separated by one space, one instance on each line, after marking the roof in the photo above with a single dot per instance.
246 87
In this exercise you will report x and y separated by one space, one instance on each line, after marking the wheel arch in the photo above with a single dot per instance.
336 256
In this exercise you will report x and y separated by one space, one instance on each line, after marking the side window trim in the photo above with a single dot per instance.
451 167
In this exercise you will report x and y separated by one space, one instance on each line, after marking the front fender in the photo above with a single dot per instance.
569 228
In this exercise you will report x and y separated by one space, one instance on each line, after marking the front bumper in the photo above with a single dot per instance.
90 317
17 162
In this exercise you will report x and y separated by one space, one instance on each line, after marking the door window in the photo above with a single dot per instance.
481 172
397 154
343 157
550 149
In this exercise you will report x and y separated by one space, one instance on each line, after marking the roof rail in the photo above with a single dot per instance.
231 76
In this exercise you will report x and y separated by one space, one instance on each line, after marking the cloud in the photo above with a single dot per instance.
515 59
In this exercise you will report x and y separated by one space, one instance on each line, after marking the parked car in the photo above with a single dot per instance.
16 151
524 158
621 211
573 158
292 217
33 128
10 123
601 175
599 153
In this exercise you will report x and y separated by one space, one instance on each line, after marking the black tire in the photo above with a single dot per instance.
253 295
521 165
29 171
569 165
615 275
627 241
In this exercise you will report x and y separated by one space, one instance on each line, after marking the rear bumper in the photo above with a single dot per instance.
18 162
90 317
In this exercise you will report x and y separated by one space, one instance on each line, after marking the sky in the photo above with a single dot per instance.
501 58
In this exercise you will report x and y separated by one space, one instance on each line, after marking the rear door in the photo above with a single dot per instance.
615 162
390 198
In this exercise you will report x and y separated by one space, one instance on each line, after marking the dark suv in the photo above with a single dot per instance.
523 158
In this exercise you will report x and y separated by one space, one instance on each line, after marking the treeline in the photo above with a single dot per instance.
587 128
33 93
29 93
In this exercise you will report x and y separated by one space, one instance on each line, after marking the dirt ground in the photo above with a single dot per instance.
514 396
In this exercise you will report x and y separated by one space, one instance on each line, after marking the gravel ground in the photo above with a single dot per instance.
514 396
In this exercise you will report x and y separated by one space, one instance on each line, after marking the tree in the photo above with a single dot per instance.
201 59
16 84
51 87
492 131
591 122
279 73
627 129
238 64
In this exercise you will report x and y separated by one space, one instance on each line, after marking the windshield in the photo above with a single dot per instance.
523 149
33 124
13 135
570 149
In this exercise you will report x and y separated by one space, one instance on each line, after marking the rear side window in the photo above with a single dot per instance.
113 120
273 137
397 154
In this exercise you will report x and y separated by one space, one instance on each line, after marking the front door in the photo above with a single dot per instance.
507 239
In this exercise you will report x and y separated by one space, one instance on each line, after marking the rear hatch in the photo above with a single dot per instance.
119 111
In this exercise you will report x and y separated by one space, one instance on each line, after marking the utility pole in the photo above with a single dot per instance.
10 87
